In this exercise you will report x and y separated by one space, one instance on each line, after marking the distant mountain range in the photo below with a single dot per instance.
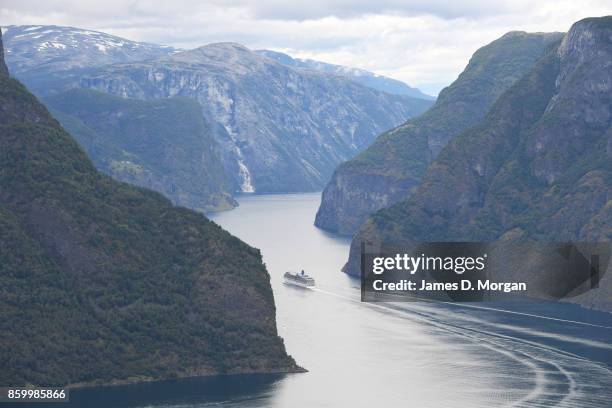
278 128
109 283
536 168
42 49
367 78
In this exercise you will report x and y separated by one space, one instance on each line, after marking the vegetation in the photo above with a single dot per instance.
163 144
407 150
103 281
538 164
390 169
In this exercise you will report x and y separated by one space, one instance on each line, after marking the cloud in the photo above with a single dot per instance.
314 9
425 43
297 10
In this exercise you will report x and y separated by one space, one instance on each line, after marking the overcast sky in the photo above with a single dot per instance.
425 43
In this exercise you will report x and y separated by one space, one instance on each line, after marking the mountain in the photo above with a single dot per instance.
391 168
367 78
281 129
41 55
108 282
537 168
162 144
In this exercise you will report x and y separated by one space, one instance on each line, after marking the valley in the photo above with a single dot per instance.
153 199
273 127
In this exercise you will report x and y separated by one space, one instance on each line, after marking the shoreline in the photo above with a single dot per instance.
149 380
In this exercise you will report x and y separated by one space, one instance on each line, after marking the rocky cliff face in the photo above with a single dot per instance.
105 282
389 170
281 129
538 167
163 144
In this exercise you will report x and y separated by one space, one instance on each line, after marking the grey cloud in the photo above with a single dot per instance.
425 43
304 10
273 9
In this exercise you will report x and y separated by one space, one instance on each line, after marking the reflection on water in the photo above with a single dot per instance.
391 355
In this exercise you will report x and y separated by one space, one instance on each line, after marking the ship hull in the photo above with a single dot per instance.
298 284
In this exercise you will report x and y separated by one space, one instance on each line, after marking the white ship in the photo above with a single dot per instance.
299 279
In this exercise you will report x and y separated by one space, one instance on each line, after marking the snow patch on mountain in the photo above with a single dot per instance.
64 48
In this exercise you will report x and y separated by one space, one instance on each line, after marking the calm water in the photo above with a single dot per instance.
400 355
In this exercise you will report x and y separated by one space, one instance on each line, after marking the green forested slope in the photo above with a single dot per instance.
102 281
392 167
538 167
162 144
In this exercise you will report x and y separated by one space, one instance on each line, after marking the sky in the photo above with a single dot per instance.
425 43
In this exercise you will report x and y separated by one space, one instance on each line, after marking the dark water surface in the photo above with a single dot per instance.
389 355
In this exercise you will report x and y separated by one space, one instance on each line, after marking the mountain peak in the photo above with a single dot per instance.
221 47
217 53
227 45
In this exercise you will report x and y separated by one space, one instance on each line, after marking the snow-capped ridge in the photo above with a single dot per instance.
65 48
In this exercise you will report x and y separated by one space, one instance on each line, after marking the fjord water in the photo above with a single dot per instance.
390 355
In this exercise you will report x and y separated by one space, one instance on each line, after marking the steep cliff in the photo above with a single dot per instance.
163 144
105 282
538 167
281 129
389 170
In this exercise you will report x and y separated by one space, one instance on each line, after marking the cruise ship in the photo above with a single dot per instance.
299 279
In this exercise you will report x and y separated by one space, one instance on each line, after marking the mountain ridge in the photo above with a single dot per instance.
367 78
105 48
